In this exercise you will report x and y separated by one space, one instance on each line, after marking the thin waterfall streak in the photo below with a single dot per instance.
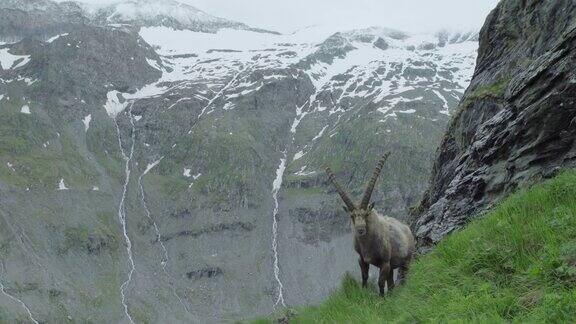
165 259
19 301
276 185
221 92
122 212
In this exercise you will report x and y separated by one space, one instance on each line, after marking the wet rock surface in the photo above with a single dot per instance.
516 123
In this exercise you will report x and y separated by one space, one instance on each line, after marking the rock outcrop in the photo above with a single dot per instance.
516 123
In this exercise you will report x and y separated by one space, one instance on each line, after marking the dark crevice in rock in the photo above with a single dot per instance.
222 227
320 224
207 272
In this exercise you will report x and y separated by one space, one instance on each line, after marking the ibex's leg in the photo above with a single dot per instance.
403 272
390 279
384 270
364 267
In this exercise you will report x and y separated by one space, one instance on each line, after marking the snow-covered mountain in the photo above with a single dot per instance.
168 13
154 170
372 64
45 14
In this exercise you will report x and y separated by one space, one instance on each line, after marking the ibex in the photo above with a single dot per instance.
380 241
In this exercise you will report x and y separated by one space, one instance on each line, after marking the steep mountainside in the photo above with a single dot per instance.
152 171
520 269
41 18
517 121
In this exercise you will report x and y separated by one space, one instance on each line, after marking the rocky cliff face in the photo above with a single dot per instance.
149 173
39 18
517 121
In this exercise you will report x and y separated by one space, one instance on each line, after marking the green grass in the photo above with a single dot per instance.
517 264
494 90
22 144
228 164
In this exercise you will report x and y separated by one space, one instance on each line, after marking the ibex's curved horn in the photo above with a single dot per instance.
341 191
372 183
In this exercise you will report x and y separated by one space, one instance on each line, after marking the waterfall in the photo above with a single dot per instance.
122 212
276 185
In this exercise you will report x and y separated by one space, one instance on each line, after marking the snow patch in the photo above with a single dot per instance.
446 110
62 185
320 134
152 166
298 155
10 166
274 77
393 102
303 173
154 64
87 121
113 105
299 116
51 39
8 60
235 42
229 106
118 101
177 102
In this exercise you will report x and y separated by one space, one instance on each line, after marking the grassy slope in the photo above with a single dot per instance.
517 264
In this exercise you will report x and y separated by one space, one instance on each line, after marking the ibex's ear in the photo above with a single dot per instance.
371 206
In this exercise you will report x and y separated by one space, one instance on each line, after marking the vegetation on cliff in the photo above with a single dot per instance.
516 264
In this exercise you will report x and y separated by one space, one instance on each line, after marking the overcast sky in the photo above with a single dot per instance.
408 15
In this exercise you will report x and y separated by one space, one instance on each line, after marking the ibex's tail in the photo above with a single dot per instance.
341 191
372 182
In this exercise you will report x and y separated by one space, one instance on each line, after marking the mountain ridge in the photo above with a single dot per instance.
136 13
177 175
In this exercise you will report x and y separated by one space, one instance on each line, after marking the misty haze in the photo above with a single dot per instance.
222 161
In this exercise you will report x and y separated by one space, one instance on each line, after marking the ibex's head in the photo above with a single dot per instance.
359 213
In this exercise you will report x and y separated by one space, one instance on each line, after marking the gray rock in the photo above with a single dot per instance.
516 123
381 44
